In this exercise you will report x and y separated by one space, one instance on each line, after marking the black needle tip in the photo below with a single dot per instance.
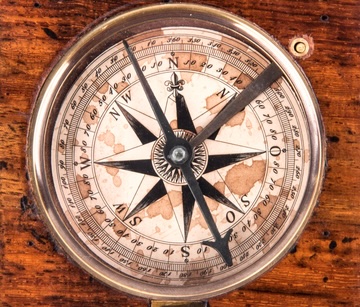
222 246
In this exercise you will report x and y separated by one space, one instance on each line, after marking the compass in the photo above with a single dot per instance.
176 152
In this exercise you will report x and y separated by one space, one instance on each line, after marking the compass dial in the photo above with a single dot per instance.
176 152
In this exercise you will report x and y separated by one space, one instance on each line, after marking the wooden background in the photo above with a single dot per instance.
323 269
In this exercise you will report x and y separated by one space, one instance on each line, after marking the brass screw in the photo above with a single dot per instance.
301 47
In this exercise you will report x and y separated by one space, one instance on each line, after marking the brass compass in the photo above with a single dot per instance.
176 152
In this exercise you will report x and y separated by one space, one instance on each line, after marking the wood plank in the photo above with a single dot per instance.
323 269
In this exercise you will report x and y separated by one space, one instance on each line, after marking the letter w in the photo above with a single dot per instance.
126 96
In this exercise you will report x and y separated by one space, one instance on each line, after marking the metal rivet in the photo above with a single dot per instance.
301 46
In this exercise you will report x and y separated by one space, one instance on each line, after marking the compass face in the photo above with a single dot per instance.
114 189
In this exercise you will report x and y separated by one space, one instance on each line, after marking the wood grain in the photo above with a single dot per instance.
323 269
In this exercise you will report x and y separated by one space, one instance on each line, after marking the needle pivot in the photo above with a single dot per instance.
178 154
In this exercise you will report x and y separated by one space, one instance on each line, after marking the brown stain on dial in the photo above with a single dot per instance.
198 219
232 73
214 104
119 228
107 137
297 144
98 214
161 207
84 186
276 84
197 61
188 61
140 252
175 198
307 156
164 206
117 181
186 76
182 60
199 129
243 81
112 171
220 186
212 204
89 116
241 178
119 148
237 119
120 86
264 207
174 124
104 88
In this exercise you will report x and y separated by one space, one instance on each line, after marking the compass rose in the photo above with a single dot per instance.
158 165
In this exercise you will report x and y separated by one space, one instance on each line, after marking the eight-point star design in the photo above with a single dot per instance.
168 173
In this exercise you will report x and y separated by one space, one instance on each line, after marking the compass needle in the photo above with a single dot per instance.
163 122
270 74
220 243
178 145
188 208
176 156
